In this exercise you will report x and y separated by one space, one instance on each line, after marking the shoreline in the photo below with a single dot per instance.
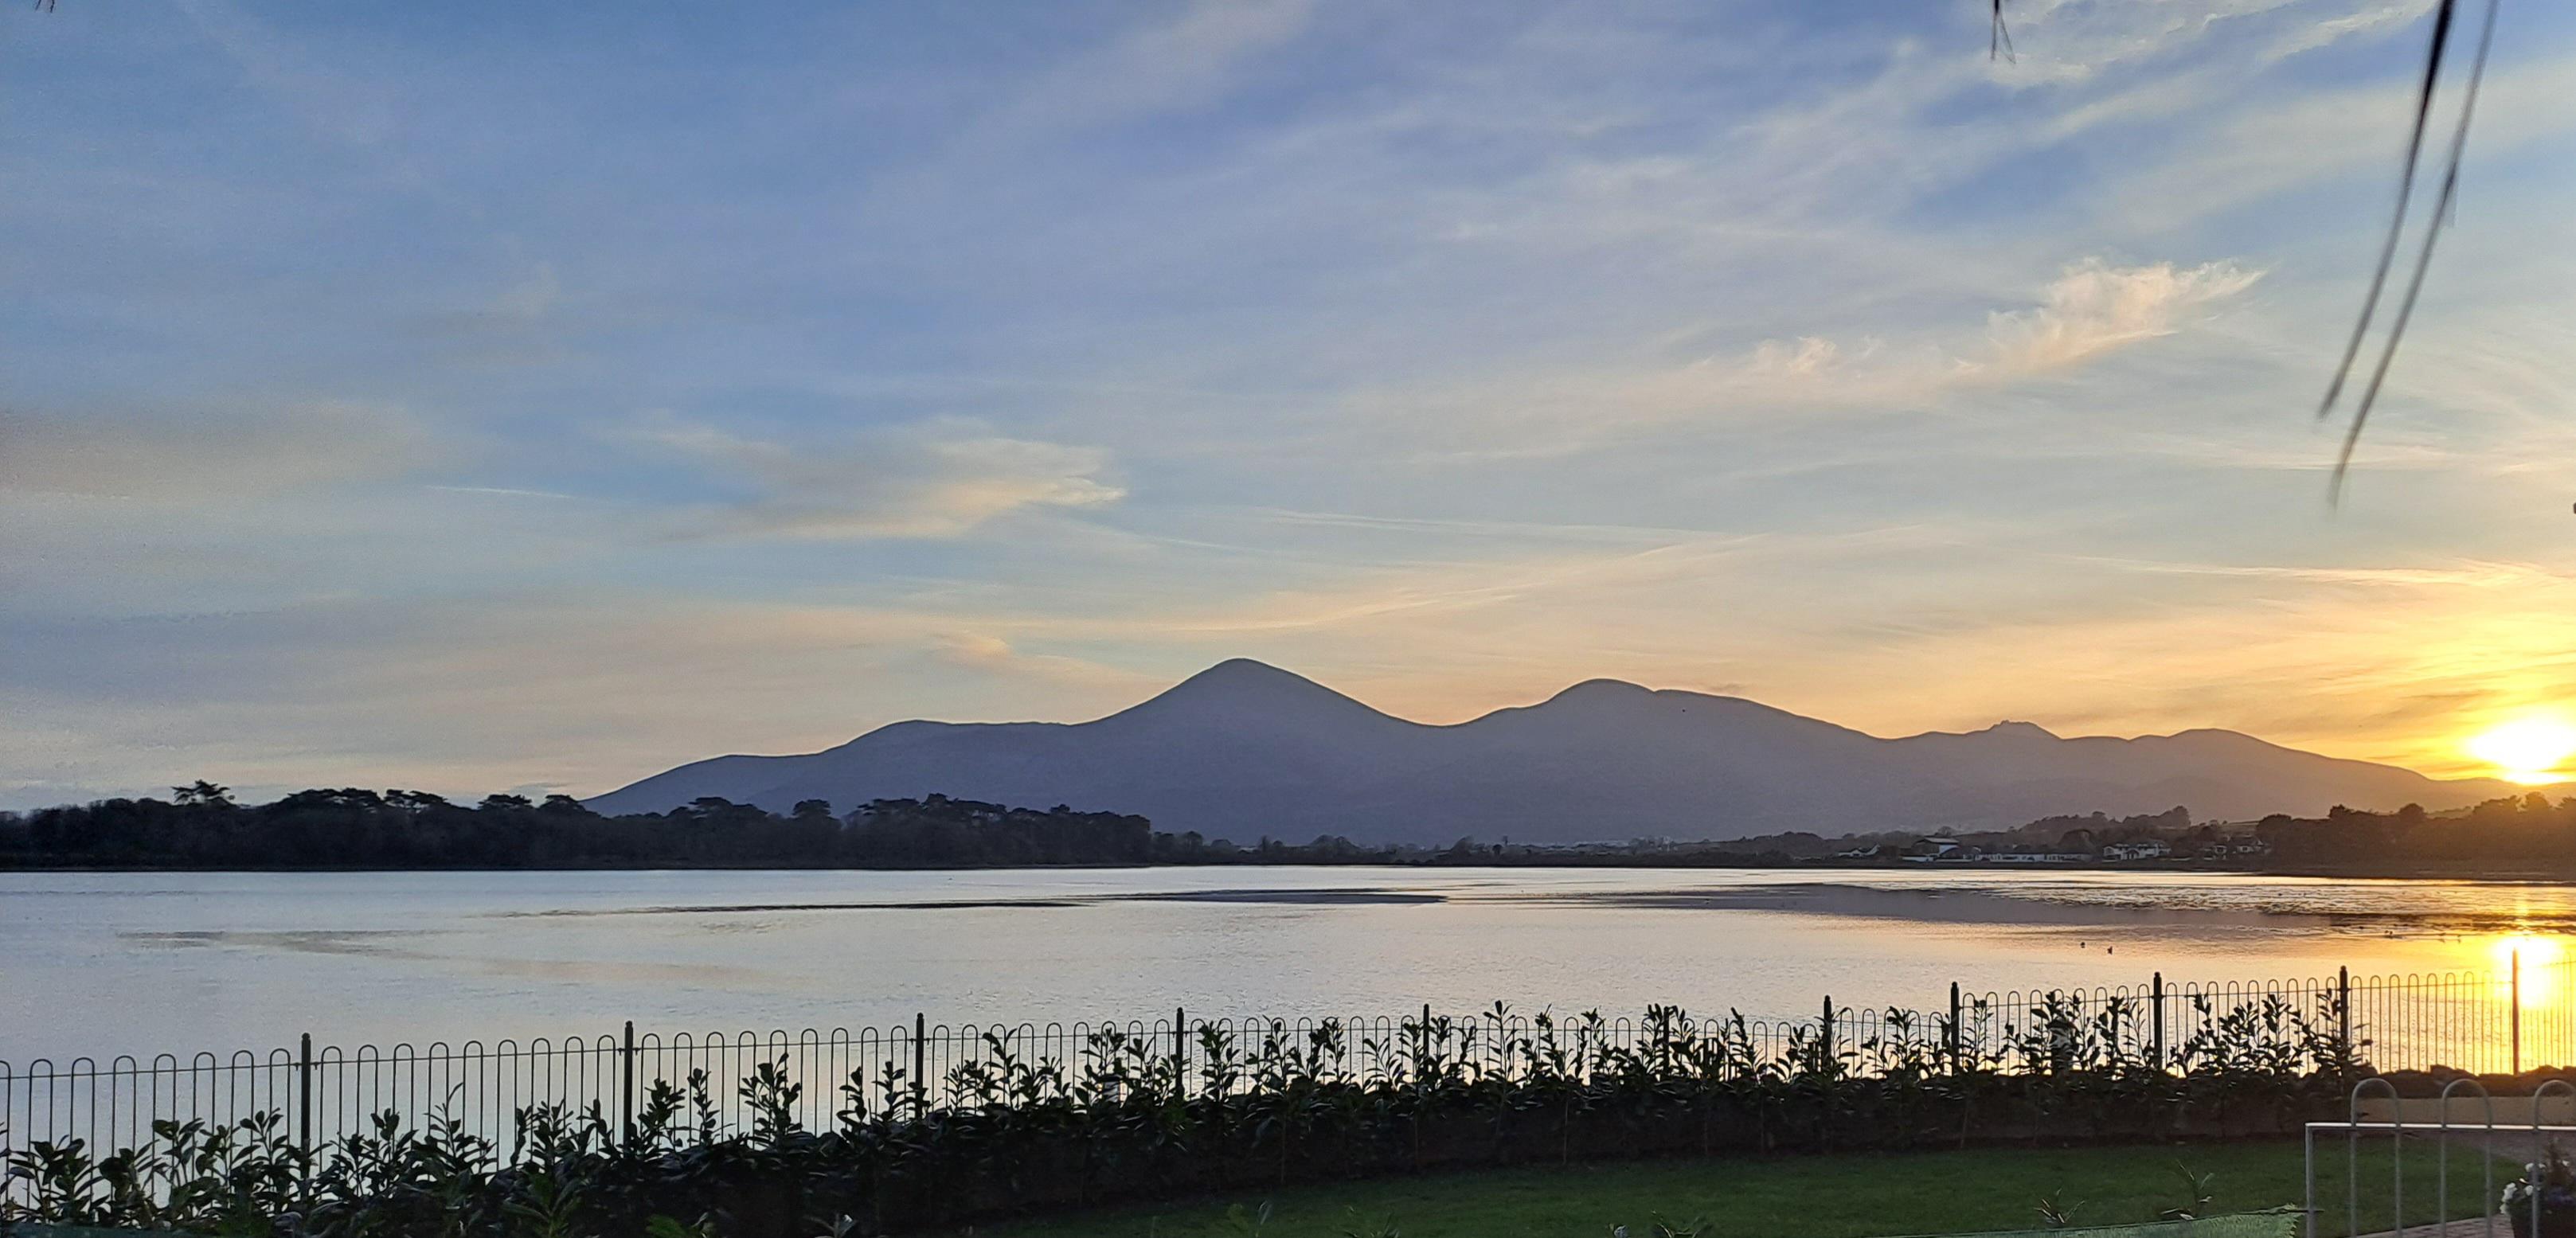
2370 872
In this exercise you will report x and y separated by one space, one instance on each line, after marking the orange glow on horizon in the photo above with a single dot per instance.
2528 749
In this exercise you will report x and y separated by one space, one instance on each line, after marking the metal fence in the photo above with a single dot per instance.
2477 1022
2440 1165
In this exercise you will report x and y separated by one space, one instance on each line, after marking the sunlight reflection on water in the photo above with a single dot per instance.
141 962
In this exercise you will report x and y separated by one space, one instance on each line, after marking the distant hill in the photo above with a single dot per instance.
1243 750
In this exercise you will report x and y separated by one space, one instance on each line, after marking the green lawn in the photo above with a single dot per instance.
1856 1196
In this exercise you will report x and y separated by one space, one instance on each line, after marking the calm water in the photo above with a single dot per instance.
100 963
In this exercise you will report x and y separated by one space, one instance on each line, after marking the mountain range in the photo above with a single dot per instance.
1243 749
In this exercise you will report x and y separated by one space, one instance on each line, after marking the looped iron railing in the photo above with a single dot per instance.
2469 1021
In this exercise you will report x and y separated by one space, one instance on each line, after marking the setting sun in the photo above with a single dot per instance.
2527 749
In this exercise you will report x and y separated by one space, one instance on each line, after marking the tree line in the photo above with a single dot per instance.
2516 834
201 826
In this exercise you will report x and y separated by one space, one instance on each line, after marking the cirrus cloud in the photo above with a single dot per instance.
2091 310
208 456
930 480
2094 307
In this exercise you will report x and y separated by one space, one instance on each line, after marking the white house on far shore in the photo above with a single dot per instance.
2137 849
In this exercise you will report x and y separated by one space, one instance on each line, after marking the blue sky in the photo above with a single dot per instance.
481 396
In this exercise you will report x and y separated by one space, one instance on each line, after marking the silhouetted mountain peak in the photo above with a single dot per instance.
1602 691
1242 687
1239 674
1243 749
1243 680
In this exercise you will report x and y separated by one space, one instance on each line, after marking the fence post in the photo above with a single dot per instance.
2156 1012
304 1105
920 1064
1957 1034
626 1084
2343 1013
1181 1050
1825 1037
2517 1011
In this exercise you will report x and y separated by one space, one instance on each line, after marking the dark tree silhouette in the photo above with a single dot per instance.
353 827
204 793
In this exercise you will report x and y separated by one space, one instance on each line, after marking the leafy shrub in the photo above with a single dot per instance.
1132 1118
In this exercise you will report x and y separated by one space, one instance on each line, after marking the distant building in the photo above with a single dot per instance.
2213 844
2035 857
2136 849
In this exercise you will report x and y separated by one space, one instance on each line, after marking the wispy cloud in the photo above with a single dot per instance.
2253 154
929 480
2094 308
212 454
1194 56
2376 20
1018 364
352 110
2090 311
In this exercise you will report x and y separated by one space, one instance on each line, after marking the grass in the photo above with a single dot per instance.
1848 1196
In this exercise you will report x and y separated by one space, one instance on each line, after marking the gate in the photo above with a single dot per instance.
2441 1166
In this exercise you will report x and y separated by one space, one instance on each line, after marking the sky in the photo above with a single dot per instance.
496 396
